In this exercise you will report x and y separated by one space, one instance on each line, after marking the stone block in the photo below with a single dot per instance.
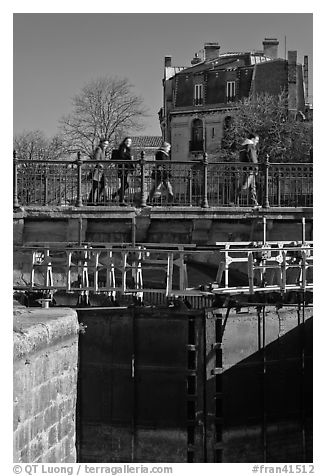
43 230
18 230
51 415
37 448
202 224
24 433
76 230
52 436
37 425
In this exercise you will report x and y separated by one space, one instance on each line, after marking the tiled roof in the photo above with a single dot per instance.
139 142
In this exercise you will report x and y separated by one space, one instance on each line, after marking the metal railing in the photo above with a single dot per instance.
269 267
194 183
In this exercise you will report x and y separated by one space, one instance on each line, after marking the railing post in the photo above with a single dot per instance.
266 175
79 177
142 180
15 198
204 203
45 186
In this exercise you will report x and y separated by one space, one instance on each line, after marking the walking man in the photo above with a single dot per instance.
161 175
248 154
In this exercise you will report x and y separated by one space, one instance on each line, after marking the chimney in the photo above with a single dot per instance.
168 61
292 82
212 51
271 47
195 59
305 77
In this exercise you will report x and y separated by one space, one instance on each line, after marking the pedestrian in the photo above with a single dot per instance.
98 178
248 154
161 174
123 153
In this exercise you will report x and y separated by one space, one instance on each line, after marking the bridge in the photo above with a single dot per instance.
195 183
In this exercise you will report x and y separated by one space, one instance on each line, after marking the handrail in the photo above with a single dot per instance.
191 182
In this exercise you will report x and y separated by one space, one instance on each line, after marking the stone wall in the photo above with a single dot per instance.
45 385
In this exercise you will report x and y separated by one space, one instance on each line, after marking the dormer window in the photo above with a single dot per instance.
230 91
198 95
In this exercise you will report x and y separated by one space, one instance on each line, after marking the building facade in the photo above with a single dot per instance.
199 101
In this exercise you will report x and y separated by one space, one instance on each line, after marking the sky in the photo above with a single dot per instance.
56 54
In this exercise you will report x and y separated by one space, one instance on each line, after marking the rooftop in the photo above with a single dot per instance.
143 142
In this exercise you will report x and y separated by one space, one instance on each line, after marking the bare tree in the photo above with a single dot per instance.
105 107
35 145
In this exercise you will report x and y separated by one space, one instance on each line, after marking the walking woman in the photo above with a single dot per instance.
124 153
98 179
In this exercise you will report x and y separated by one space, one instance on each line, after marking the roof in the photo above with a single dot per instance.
142 142
172 70
228 60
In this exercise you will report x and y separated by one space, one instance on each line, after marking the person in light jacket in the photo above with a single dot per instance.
248 154
98 179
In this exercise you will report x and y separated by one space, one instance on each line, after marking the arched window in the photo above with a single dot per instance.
197 135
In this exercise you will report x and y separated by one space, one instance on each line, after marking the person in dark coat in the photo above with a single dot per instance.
124 153
98 179
161 175
248 154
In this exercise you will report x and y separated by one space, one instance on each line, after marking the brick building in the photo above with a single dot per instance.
198 101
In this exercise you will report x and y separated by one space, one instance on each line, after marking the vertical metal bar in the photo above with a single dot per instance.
181 271
278 189
204 203
218 437
96 266
264 422
142 180
192 386
79 179
124 271
190 175
45 186
133 230
304 270
213 385
266 179
33 269
80 230
169 275
134 386
49 275
303 410
251 272
205 383
15 184
226 285
303 230
68 270
283 271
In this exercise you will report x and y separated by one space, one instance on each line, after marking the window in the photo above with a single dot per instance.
198 93
213 132
230 91
197 135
